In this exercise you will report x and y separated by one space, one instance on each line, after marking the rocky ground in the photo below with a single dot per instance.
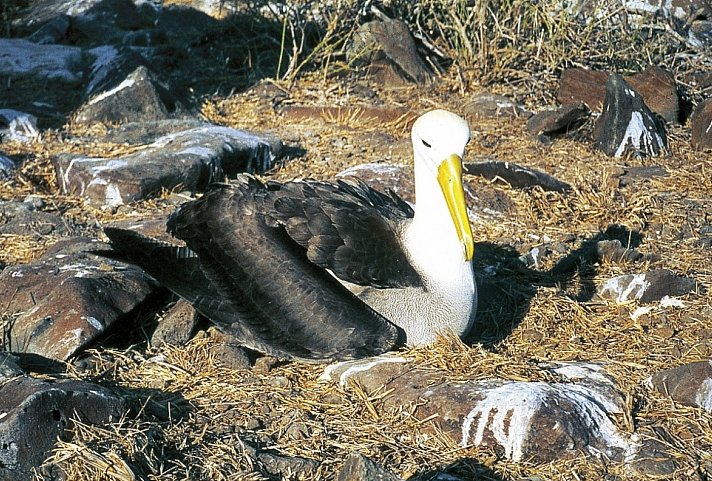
589 196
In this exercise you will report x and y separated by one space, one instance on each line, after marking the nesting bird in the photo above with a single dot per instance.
324 271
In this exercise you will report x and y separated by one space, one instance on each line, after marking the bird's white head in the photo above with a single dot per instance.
439 140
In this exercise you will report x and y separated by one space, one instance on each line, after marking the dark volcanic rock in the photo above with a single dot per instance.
515 175
565 118
701 122
492 106
689 384
285 467
137 97
6 166
53 31
21 218
646 287
36 412
62 301
391 39
626 124
191 159
358 467
9 366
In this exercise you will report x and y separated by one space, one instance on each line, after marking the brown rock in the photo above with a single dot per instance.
524 420
66 298
390 40
177 324
561 120
689 384
646 287
492 106
656 86
358 467
701 121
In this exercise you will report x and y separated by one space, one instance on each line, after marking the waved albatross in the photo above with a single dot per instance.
322 271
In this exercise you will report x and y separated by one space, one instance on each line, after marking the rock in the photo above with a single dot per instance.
560 121
36 412
9 366
21 126
190 158
583 85
54 31
20 218
176 326
687 17
358 467
647 287
536 421
492 106
626 124
285 467
138 97
6 166
689 384
515 175
391 39
701 122
645 172
655 85
64 300
51 63
613 251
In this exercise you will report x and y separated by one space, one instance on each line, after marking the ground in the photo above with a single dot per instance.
191 415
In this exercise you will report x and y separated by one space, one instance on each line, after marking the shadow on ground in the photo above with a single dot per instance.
505 296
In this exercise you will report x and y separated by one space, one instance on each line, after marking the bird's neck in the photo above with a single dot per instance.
433 244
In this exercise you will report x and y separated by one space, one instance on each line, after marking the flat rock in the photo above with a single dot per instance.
177 324
54 31
559 121
647 287
536 421
21 218
9 366
358 467
627 126
36 412
492 106
689 384
285 467
137 97
701 122
631 175
655 85
515 175
7 166
389 39
64 300
190 158
22 58
18 126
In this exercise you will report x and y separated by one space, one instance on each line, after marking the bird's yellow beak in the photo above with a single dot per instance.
450 180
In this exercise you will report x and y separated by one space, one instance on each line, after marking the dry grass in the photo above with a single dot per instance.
193 419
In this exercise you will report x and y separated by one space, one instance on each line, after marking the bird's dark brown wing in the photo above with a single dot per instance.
349 228
262 286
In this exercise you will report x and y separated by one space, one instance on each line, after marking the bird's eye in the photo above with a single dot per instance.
426 144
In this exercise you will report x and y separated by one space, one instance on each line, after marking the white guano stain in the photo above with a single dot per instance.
357 367
123 85
94 322
638 135
508 411
631 290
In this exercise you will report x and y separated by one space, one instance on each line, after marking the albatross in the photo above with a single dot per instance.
326 271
